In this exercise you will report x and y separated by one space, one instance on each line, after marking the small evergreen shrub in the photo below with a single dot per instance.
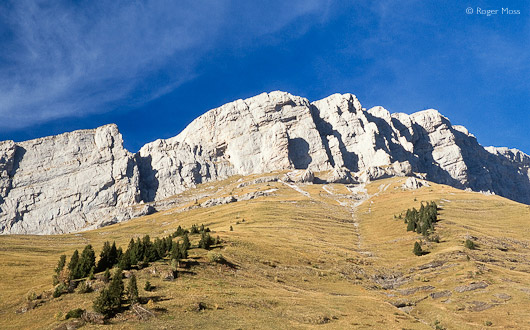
59 290
215 257
148 286
74 313
417 249
469 244
84 287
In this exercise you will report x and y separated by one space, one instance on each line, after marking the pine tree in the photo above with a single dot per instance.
60 264
176 252
206 241
169 244
104 261
91 274
139 250
194 229
186 242
72 265
106 303
116 288
132 252
119 254
113 255
106 276
86 262
411 226
183 252
125 261
132 290
417 249
179 232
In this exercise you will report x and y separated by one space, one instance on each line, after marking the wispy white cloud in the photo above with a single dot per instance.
62 60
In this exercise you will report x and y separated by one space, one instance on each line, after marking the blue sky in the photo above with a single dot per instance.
153 66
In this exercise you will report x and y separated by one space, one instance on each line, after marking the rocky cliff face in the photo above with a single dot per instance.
65 183
86 179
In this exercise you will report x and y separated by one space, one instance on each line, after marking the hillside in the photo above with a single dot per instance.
305 255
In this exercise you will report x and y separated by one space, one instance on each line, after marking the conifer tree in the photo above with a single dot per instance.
176 252
106 276
86 262
206 240
125 261
60 264
133 257
194 229
169 244
72 265
104 257
116 287
417 249
91 273
132 290
106 303
113 255
186 242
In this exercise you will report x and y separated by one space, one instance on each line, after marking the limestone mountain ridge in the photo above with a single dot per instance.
86 179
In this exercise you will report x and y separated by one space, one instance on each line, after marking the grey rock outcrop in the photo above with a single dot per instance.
413 183
86 179
265 133
66 182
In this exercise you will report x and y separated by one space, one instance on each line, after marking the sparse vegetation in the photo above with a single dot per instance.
148 286
74 313
469 244
417 250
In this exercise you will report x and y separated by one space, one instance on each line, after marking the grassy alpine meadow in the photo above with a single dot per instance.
301 256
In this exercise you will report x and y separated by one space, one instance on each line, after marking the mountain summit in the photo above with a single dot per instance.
86 179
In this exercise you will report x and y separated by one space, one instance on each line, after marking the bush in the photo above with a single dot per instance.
469 244
194 229
74 313
148 286
59 290
215 257
84 287
31 296
417 249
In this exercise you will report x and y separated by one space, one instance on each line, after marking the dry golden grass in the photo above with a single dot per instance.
326 261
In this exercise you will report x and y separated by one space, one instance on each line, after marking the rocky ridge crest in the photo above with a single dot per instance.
86 179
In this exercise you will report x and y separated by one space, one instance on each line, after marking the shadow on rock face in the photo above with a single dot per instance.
299 153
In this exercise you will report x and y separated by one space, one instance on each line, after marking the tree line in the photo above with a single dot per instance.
139 253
